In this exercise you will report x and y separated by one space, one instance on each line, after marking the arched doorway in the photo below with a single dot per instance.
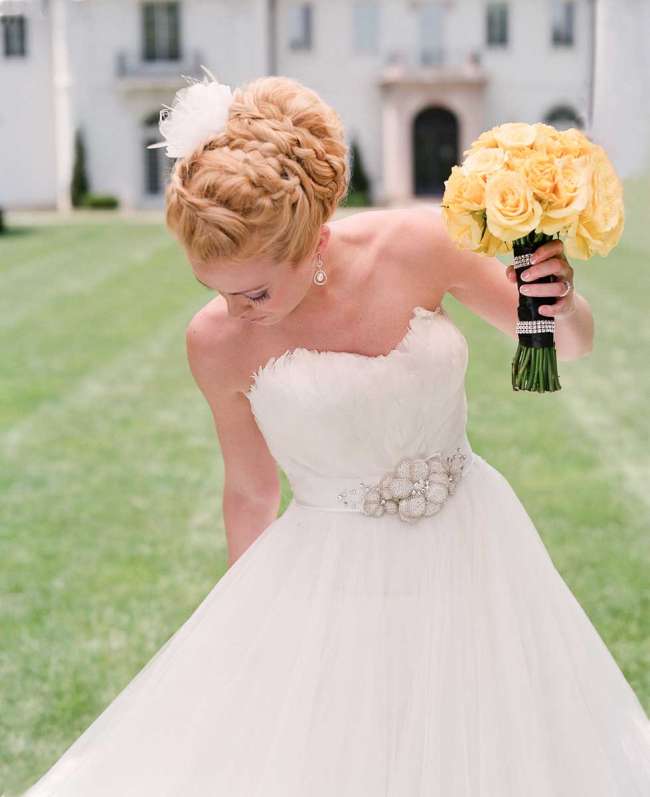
435 149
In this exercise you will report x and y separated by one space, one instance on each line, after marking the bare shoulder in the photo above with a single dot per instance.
412 241
418 237
220 350
403 229
419 232
476 280
366 228
215 343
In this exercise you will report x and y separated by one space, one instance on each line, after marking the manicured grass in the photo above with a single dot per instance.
110 475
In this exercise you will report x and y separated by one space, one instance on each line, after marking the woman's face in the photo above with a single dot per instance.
260 290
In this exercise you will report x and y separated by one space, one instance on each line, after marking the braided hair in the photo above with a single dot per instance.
265 184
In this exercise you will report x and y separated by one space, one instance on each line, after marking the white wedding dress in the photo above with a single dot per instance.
347 654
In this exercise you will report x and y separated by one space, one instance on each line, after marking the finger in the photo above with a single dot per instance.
549 249
552 266
544 289
562 306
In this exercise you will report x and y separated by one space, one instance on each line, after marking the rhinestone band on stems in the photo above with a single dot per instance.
538 325
522 260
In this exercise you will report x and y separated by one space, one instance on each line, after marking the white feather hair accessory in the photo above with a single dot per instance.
198 112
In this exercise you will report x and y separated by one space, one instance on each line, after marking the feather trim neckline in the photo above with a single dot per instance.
417 312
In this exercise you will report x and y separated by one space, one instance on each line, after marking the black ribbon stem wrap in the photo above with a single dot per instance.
528 309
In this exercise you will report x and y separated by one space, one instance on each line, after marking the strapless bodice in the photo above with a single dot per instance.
332 418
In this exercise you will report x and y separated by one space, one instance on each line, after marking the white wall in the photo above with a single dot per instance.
27 165
526 80
622 99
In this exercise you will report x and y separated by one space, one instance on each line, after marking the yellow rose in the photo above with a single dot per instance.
464 228
540 172
608 239
600 226
464 192
587 239
486 139
512 210
607 192
484 161
547 140
570 195
516 159
573 143
577 246
512 135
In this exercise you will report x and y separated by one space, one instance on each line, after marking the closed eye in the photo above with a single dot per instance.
260 297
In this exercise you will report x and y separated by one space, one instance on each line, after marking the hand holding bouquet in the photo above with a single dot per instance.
549 258
519 187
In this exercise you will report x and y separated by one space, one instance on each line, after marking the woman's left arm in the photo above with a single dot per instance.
478 281
574 323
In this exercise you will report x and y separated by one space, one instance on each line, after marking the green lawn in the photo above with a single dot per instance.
111 531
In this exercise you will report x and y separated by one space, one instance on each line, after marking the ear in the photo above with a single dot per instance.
325 233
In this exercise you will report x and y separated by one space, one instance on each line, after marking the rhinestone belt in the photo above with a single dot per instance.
417 487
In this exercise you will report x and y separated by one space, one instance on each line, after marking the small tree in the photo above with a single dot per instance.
359 181
79 184
358 193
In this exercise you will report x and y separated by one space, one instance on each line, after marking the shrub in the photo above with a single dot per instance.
100 201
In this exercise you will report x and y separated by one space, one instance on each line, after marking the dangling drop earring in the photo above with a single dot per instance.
320 275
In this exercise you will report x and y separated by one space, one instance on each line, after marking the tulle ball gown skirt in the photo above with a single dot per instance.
358 657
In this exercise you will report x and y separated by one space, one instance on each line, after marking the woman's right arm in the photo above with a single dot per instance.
251 485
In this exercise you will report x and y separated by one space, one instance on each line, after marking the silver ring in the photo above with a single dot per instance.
568 288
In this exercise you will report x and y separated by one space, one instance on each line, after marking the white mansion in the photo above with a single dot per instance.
414 82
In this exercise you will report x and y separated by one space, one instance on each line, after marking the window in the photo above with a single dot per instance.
153 168
563 117
563 24
157 166
497 23
430 27
365 24
14 35
160 28
300 26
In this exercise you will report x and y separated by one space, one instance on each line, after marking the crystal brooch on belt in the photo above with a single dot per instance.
418 487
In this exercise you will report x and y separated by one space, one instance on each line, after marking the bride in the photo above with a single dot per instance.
377 265
400 629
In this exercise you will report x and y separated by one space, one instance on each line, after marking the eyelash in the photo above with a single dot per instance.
262 297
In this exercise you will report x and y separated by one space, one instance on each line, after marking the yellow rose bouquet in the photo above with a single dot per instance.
519 186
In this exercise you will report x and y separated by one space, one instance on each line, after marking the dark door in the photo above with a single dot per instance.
435 150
